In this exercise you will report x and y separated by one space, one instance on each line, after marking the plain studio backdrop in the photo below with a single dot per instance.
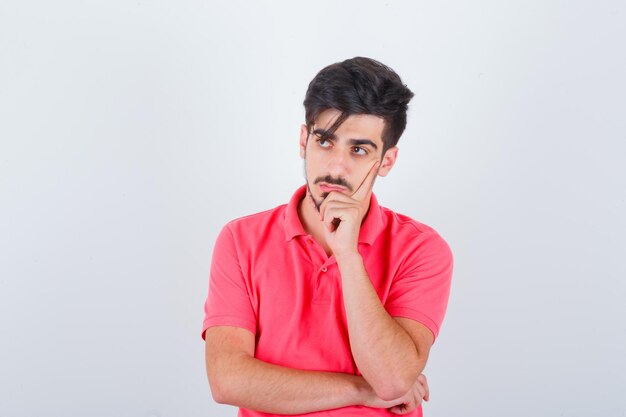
131 131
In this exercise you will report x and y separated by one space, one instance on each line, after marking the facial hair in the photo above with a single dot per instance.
327 179
316 203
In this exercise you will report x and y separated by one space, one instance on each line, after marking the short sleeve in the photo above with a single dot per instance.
228 301
421 288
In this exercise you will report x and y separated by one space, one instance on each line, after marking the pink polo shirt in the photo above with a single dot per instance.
269 277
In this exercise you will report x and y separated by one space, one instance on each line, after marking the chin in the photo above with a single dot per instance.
317 201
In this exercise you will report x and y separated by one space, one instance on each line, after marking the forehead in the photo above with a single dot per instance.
356 126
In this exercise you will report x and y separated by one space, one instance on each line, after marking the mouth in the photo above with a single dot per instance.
327 188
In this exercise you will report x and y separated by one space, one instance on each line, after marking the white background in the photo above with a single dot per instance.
131 131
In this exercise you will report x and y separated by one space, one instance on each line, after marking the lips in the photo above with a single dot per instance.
329 188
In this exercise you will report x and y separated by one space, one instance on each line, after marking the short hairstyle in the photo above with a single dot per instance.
360 86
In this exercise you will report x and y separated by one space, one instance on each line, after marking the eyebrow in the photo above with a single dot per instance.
354 142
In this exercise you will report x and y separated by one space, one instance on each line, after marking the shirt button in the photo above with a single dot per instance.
324 269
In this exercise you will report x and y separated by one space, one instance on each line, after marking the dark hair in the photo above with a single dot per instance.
360 86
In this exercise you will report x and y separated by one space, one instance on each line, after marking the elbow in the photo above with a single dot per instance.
222 389
396 385
224 380
392 390
221 393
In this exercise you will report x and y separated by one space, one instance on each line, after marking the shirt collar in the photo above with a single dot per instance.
370 229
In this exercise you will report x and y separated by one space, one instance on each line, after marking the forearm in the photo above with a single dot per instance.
250 383
383 351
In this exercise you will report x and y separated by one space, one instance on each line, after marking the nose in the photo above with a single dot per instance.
338 164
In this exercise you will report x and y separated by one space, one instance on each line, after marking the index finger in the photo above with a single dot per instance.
367 184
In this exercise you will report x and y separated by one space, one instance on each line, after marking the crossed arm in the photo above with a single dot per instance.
237 378
389 352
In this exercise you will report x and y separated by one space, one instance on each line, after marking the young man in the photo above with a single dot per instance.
330 304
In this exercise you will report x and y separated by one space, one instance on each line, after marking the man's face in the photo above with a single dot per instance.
342 161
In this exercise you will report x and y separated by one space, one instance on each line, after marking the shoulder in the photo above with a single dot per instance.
405 225
402 221
261 225
414 236
258 218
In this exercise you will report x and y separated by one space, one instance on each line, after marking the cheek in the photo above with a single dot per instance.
309 168
359 176
313 161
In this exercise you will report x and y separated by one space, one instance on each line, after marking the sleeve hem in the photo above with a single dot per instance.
228 321
417 316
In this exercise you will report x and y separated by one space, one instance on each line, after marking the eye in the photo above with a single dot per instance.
359 150
323 142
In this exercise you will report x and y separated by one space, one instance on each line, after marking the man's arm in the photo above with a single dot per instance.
389 352
237 378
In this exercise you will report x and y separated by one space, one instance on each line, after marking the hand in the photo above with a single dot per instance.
342 215
414 397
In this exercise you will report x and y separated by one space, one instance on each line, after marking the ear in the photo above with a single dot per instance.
389 160
304 134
